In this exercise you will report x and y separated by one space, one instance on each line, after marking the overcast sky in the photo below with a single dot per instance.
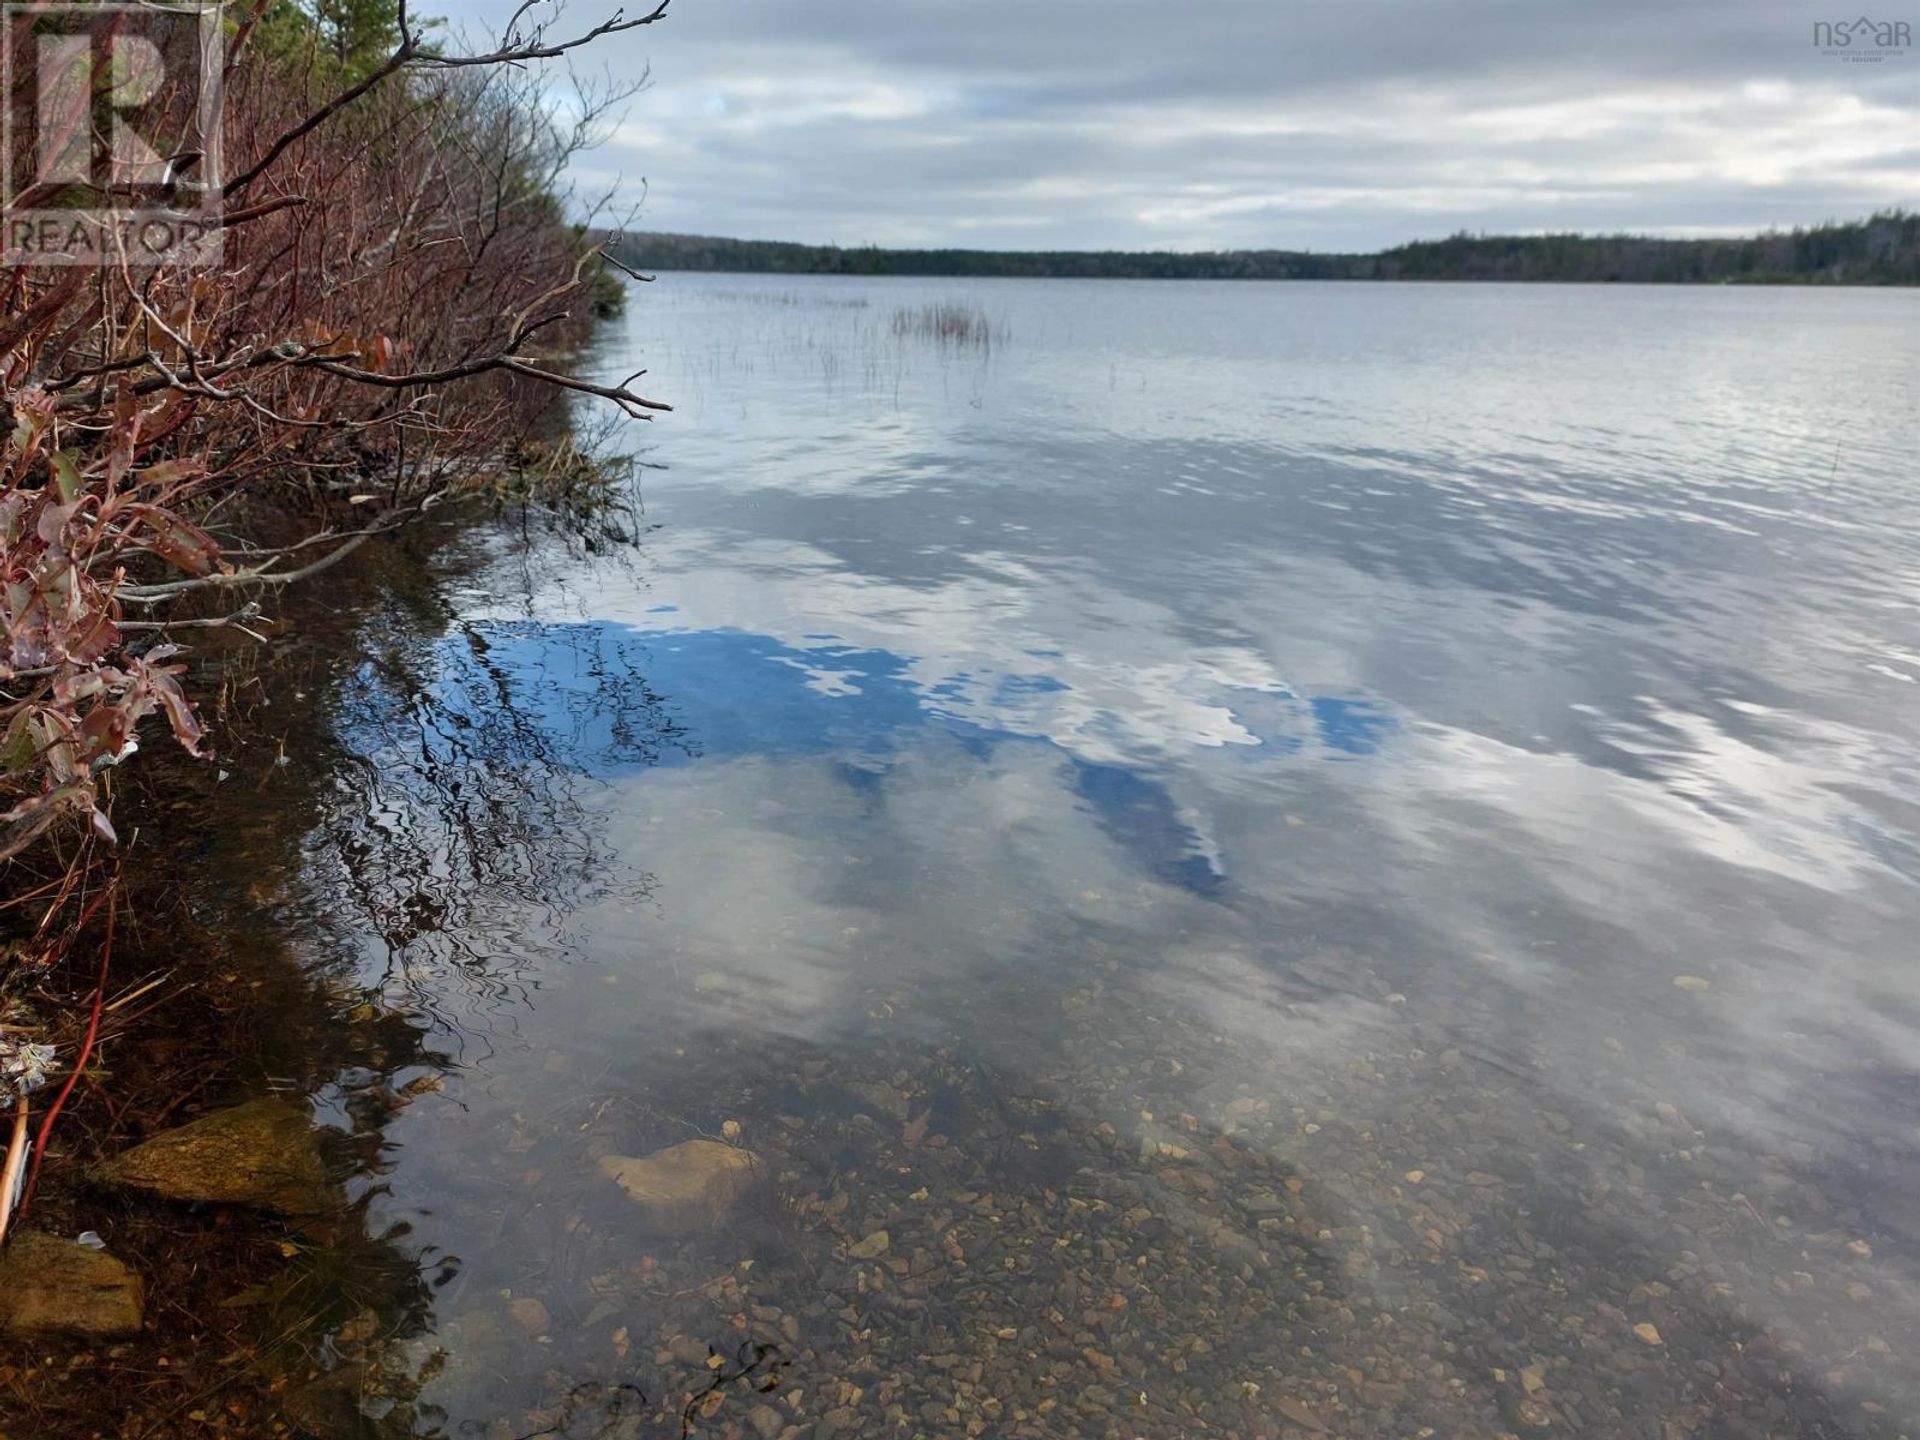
1213 124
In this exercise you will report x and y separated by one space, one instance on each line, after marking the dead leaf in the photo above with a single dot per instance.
1299 1414
179 542
916 1129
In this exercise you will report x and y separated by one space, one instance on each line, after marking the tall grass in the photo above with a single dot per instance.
951 323
790 299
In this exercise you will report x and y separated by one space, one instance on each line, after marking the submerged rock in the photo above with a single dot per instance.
263 1153
530 1315
685 1188
882 1100
54 1286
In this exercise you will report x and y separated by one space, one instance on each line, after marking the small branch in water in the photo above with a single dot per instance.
235 621
702 1403
353 540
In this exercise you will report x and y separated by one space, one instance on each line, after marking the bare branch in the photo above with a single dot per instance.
410 54
155 594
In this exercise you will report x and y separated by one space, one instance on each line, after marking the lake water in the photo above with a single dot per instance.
1320 859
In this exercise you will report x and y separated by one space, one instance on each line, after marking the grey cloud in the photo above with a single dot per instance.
1247 122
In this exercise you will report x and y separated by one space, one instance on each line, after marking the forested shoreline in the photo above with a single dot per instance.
1883 249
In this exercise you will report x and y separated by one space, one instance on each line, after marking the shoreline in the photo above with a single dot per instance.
1882 251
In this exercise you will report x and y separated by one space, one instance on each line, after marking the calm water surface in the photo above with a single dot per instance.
1322 859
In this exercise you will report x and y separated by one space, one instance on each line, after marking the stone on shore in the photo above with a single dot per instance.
686 1188
54 1286
262 1153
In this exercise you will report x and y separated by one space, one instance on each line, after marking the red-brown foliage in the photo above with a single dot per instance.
397 273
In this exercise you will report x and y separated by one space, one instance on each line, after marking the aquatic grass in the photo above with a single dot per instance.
790 299
948 323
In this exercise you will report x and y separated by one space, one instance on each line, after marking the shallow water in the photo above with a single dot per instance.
1321 859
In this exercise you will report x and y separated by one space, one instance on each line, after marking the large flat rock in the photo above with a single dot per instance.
687 1188
263 1153
53 1286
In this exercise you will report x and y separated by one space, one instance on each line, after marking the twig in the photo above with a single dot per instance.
135 994
80 1060
235 621
410 53
723 1377
10 1174
388 520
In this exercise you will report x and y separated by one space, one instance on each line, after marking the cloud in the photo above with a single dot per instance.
1230 123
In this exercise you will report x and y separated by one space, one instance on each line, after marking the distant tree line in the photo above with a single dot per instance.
1881 250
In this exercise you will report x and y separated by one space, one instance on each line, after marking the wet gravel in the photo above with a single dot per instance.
1145 1236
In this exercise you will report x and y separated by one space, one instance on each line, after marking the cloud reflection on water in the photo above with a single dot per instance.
1374 719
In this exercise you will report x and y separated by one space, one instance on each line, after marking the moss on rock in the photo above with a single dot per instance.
263 1153
54 1286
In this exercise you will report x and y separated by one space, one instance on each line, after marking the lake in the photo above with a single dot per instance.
1245 860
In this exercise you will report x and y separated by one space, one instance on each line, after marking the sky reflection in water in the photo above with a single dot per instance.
736 694
1367 701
